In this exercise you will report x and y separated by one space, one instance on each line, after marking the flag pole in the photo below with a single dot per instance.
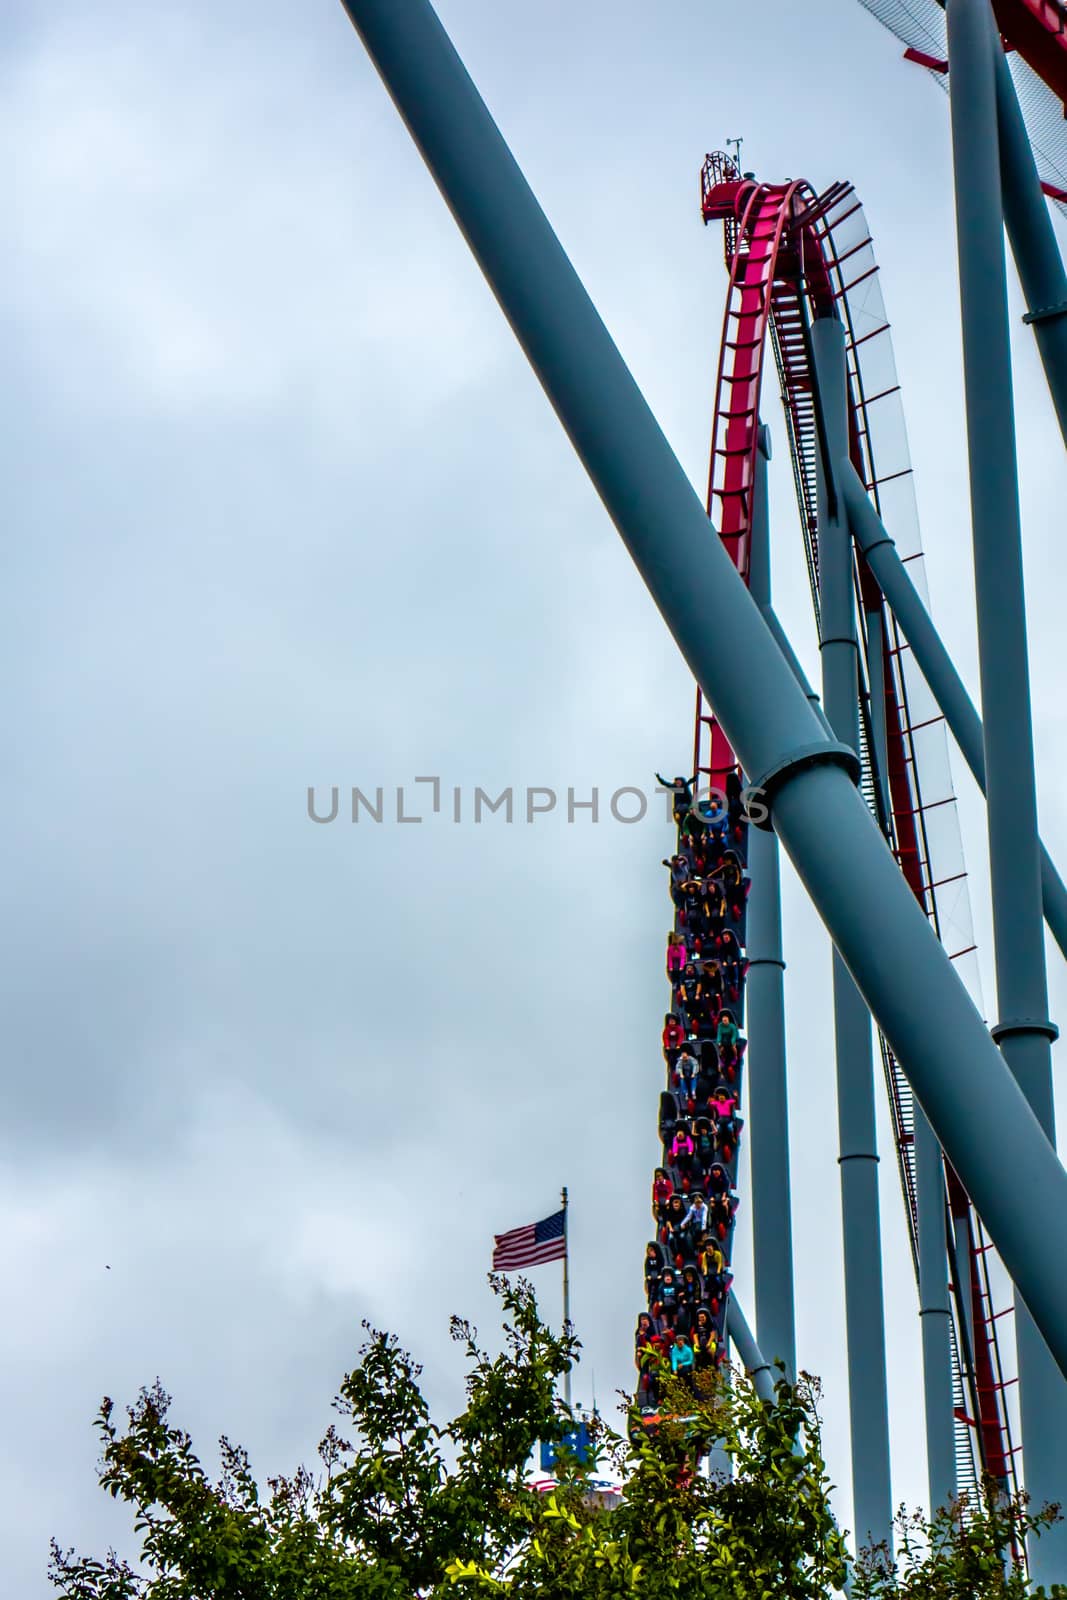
566 1297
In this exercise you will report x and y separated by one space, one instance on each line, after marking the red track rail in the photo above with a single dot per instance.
786 266
1035 38
1038 30
765 273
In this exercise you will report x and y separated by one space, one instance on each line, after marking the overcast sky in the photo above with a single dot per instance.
286 507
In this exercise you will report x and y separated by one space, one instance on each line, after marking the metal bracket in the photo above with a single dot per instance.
1046 313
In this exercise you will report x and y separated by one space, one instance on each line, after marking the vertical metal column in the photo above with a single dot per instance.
1033 241
768 1119
857 1141
1024 1032
566 1294
935 1315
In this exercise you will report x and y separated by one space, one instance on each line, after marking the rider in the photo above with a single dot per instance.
682 789
682 1358
687 1068
673 1037
677 956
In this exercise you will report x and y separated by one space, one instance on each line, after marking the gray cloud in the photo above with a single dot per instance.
289 509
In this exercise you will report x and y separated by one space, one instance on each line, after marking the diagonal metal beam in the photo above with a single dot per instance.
807 781
753 1360
935 664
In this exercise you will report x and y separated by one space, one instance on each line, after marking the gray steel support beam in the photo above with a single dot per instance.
935 1315
781 639
868 1393
838 643
1033 240
938 1037
768 1115
936 666
876 674
1024 1031
760 1372
755 1364
960 1245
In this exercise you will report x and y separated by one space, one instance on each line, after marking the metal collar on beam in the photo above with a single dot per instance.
828 752
1016 1025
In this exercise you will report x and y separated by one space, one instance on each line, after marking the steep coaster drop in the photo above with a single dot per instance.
694 1191
795 257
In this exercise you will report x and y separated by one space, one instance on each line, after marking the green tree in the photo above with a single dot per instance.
401 1507
958 1554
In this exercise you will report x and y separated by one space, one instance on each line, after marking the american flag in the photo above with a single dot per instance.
525 1247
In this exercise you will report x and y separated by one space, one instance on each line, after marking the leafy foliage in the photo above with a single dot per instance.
401 1507
964 1550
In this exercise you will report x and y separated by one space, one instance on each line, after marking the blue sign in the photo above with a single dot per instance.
576 1443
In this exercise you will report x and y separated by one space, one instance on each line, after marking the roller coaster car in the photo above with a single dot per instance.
722 1210
732 872
692 1288
719 200
718 1287
673 1220
669 1116
735 800
650 1419
684 1098
718 1179
668 1293
709 1057
705 1085
683 1256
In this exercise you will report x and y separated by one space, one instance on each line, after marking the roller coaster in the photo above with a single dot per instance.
795 257
854 782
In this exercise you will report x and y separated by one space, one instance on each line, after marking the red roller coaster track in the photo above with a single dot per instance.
1035 38
794 255
1038 30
